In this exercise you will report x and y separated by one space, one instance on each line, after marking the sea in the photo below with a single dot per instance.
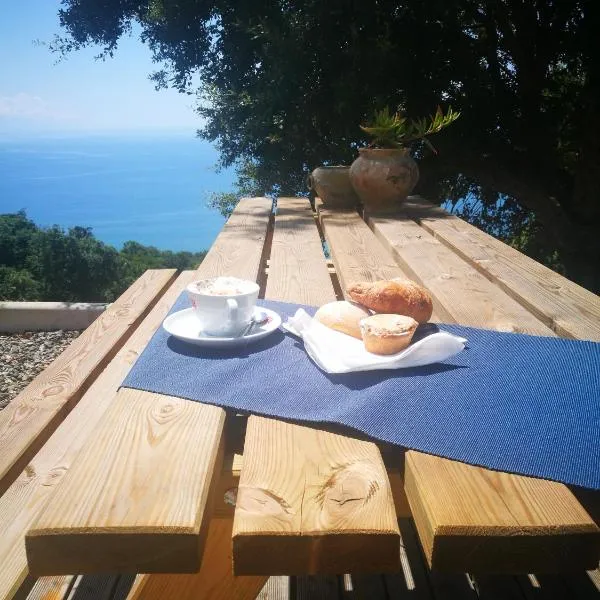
152 188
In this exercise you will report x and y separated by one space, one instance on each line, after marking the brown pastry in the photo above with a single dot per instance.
387 334
342 316
398 296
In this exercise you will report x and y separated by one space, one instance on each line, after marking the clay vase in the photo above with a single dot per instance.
383 177
332 185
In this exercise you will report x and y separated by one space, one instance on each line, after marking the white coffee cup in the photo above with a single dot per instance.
223 305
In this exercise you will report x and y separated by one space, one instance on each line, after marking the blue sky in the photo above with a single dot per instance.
78 94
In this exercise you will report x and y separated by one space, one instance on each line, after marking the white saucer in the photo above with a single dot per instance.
184 326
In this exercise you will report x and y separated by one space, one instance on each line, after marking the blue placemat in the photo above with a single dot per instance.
511 402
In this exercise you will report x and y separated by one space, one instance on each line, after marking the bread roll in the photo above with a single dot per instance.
394 296
387 334
342 316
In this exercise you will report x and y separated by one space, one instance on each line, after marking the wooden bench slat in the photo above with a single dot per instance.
466 295
136 499
27 496
358 256
469 517
28 421
309 501
214 580
238 249
565 307
487 521
158 524
297 268
315 502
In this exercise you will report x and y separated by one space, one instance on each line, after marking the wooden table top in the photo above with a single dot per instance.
152 471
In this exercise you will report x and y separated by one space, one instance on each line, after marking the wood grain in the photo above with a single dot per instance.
467 296
27 496
28 421
214 581
484 521
565 307
312 502
129 504
309 501
359 256
476 524
276 588
297 268
238 249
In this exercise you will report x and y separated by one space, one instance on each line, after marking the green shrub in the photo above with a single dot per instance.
73 266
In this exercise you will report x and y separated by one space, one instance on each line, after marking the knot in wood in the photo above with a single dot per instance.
54 476
349 487
53 391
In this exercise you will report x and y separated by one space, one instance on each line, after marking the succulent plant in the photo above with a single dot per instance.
394 130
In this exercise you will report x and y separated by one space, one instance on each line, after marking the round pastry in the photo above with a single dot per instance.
399 296
387 334
342 316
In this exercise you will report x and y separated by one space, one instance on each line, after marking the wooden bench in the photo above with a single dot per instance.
124 459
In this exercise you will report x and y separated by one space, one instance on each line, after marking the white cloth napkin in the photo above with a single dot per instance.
336 352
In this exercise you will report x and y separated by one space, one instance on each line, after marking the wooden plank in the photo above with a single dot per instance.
238 250
492 530
496 522
442 586
129 503
468 297
52 588
27 496
28 421
276 588
359 256
297 268
233 461
112 513
214 581
565 307
309 501
312 502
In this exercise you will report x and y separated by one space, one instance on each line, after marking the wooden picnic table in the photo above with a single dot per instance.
97 479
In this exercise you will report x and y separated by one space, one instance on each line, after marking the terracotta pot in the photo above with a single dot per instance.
332 185
383 177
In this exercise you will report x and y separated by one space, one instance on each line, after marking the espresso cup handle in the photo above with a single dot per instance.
232 307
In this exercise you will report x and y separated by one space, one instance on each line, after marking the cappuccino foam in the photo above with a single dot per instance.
222 286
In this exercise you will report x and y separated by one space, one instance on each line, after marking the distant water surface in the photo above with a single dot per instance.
149 188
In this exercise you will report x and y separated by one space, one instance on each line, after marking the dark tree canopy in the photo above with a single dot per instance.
285 84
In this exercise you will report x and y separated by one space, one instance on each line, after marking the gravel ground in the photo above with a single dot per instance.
24 355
